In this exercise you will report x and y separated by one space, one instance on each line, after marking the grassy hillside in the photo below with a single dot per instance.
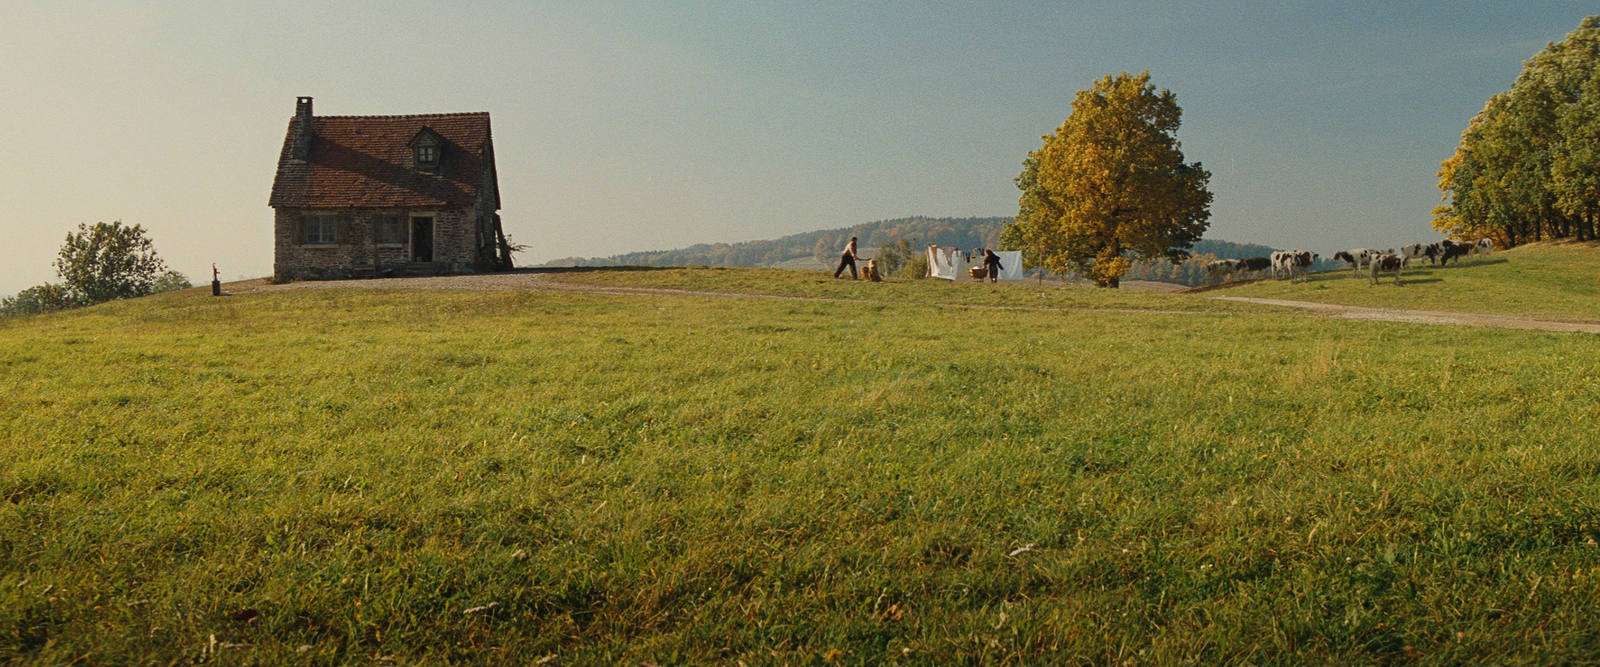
339 476
901 291
1552 281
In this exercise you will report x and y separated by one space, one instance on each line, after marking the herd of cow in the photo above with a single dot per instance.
1296 264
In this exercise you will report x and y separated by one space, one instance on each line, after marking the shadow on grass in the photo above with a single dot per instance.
1318 277
1383 279
1457 263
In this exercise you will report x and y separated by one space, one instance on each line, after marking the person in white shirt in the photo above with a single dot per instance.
848 259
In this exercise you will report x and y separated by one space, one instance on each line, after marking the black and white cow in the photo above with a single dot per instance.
1295 263
1254 264
1358 258
1414 251
1355 258
1282 262
1483 247
1453 250
1386 262
1434 251
1300 264
1221 269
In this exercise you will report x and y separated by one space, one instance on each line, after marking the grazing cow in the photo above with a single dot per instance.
1300 263
1293 262
1483 247
1303 261
1358 258
1282 263
1433 251
1253 264
1352 257
1382 263
1453 250
1414 251
1221 269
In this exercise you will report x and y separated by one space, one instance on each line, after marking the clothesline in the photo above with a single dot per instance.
952 263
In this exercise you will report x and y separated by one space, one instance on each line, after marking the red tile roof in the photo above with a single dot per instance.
364 161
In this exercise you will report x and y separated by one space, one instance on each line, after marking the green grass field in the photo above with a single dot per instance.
1546 281
427 477
818 285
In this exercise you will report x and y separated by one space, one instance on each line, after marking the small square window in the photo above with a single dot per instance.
427 155
320 229
388 230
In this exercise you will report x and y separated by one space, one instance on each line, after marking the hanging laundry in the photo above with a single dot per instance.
1010 265
965 263
941 262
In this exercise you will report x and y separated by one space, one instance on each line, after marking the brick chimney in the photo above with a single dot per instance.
302 129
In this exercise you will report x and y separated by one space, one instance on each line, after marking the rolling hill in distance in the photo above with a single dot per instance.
818 250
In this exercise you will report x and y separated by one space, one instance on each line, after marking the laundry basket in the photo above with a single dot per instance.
978 273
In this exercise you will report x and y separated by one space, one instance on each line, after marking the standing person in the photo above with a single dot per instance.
991 263
848 259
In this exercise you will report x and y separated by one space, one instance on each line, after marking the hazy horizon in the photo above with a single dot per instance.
622 127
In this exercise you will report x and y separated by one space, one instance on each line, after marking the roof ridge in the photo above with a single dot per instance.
413 115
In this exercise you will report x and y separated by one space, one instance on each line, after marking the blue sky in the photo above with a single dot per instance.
632 126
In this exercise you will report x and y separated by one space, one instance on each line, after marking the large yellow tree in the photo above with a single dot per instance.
1111 185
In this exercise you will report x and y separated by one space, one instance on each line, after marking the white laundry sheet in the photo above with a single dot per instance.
942 262
953 263
1010 264
964 263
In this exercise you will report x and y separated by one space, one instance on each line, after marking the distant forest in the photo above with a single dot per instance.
821 248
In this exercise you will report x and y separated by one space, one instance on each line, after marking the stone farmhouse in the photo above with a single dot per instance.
364 196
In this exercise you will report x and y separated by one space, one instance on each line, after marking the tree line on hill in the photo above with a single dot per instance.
102 263
1528 165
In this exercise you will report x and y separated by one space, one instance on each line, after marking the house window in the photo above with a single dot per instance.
321 229
427 155
389 230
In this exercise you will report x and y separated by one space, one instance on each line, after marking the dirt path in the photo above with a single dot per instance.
1423 316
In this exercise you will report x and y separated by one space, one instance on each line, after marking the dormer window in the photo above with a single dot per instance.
427 149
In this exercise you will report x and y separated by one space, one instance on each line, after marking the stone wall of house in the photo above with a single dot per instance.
455 243
488 203
455 233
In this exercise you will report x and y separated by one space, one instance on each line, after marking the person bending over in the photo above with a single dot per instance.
848 259
991 263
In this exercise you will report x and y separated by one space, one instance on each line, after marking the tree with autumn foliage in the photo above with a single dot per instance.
1110 186
1528 165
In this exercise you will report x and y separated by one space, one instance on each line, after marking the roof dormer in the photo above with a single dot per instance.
427 149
